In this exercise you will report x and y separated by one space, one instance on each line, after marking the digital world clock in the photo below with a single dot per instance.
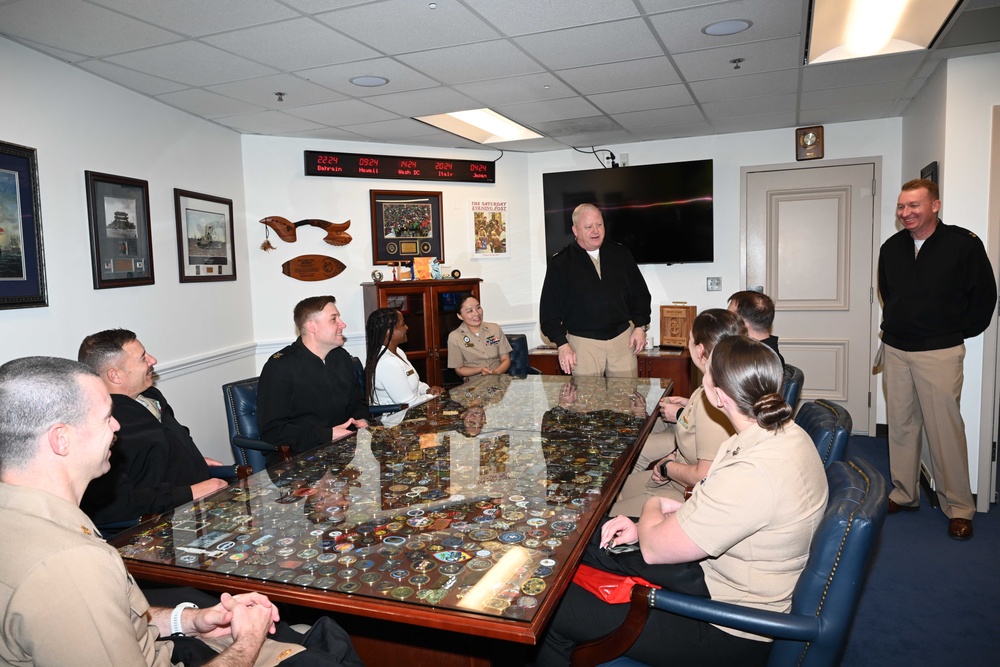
363 165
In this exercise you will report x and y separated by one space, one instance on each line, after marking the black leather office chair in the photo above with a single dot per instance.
829 425
519 356
824 601
244 434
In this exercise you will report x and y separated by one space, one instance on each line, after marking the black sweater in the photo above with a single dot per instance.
576 300
153 464
942 296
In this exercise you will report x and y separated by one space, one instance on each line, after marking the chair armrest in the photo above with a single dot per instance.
757 621
385 409
615 643
228 473
253 443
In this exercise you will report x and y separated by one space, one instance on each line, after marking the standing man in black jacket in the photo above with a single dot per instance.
308 394
937 289
155 465
595 303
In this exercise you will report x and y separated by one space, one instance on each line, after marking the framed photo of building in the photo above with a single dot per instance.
120 243
205 251
406 225
22 259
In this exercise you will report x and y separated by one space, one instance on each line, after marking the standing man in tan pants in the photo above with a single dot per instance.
595 303
937 289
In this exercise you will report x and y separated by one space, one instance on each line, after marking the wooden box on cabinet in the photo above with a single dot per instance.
675 325
429 308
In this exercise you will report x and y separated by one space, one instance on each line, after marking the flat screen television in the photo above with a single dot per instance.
661 212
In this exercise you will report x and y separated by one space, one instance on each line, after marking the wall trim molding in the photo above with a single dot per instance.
197 364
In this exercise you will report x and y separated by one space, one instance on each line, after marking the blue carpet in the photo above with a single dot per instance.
929 599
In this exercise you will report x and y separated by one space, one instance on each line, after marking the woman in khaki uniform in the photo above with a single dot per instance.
477 347
695 428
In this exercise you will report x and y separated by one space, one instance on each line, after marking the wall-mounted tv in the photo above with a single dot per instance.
662 213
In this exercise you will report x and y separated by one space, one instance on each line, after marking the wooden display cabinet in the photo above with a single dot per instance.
429 308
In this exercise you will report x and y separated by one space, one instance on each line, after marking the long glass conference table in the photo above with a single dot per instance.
465 514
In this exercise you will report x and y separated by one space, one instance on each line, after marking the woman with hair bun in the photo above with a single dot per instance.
742 538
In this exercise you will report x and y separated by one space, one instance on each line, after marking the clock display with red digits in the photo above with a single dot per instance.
360 165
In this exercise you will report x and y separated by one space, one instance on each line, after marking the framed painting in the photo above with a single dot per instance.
406 225
205 251
120 244
22 257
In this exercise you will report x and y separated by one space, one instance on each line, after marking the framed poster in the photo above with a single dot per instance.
406 225
22 259
489 229
204 237
120 244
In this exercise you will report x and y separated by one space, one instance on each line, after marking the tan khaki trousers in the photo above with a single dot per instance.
608 358
923 392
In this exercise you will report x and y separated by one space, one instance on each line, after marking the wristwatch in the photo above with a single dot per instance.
645 327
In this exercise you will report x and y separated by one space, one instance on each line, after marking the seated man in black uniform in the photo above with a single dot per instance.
308 394
155 465
756 309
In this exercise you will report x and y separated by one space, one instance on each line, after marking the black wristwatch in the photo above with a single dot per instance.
663 471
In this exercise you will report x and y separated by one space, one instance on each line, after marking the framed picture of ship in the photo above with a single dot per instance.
120 244
204 237
22 260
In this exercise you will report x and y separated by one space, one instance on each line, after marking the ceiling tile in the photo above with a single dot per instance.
344 112
845 114
673 131
326 133
267 122
774 54
398 26
772 19
746 85
597 138
473 62
192 63
261 91
896 67
206 104
654 6
80 27
338 77
635 120
753 123
387 130
621 40
621 75
424 102
527 88
573 126
548 110
835 97
197 17
292 45
750 106
144 83
520 17
659 97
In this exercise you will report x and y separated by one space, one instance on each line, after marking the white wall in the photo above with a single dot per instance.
276 185
79 122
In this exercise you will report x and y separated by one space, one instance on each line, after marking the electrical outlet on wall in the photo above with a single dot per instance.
624 160
714 284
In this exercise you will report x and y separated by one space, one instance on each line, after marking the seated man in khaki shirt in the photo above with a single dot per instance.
73 599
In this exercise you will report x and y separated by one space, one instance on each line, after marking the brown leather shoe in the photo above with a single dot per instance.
896 507
960 529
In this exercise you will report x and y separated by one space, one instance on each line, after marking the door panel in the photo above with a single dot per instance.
809 236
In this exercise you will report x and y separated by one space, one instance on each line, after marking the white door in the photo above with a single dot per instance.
809 245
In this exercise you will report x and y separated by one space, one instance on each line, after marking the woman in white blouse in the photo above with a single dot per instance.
389 375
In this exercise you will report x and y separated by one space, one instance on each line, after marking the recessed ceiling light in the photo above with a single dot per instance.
484 126
368 81
727 27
